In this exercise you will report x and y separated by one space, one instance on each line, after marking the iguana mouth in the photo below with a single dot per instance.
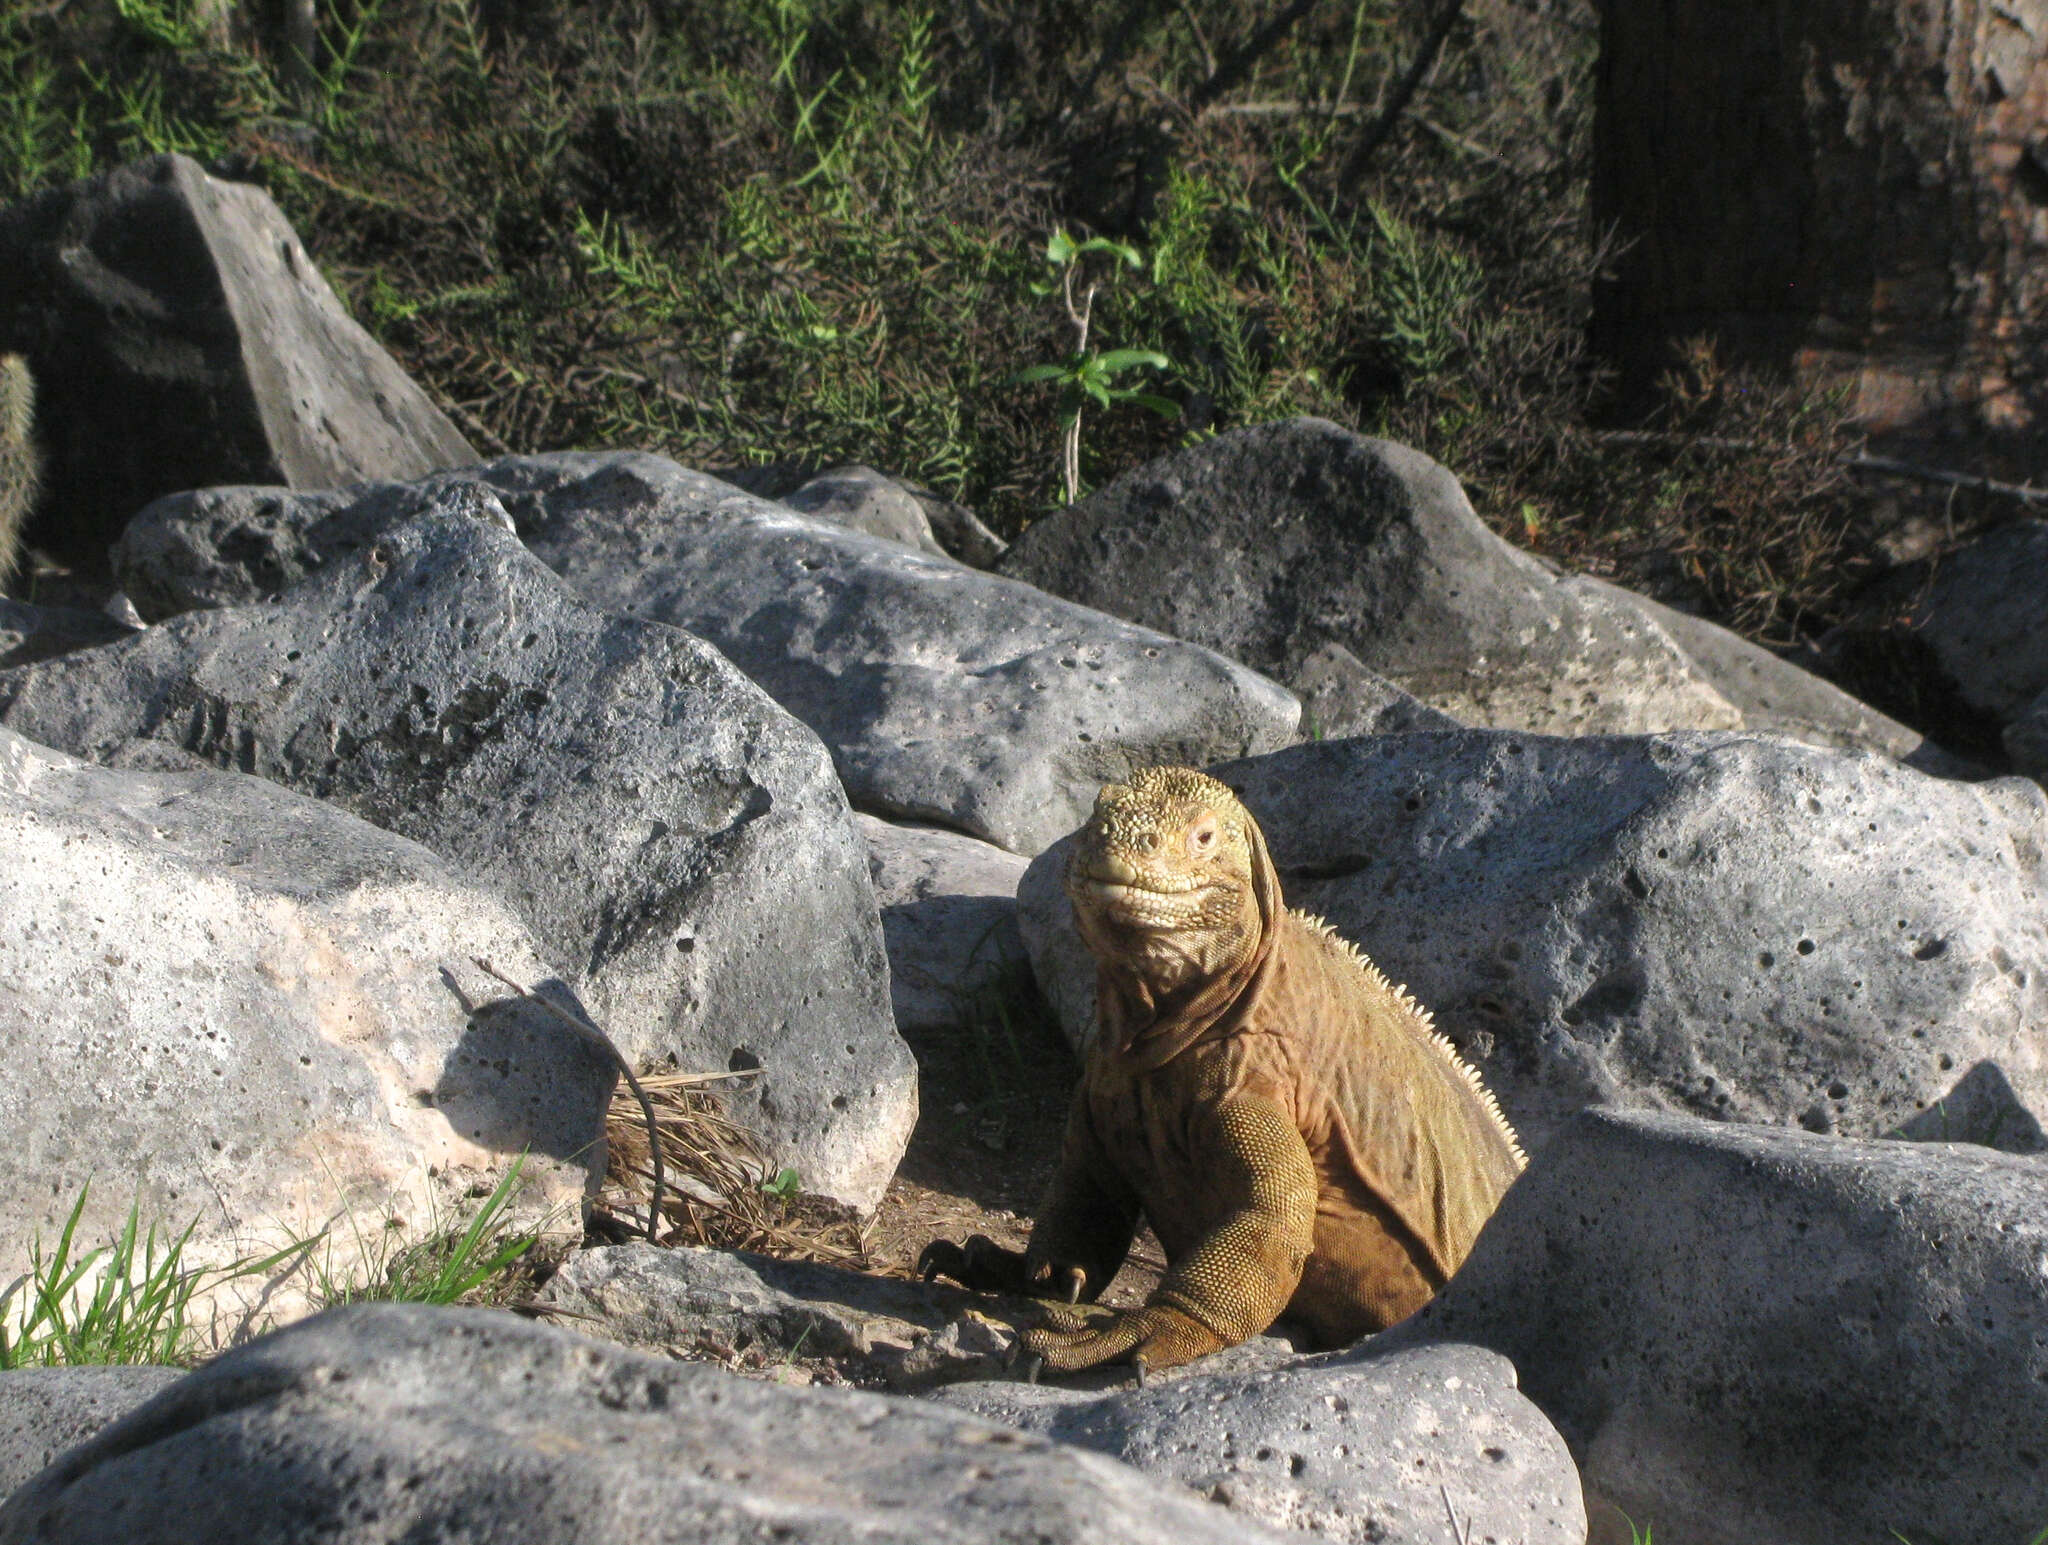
1112 873
1142 905
1129 885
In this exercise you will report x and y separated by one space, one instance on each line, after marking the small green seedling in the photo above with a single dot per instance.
1085 376
784 1186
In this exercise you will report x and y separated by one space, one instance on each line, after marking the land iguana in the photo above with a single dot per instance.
1296 1131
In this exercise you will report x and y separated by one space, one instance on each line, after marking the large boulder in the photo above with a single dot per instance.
1963 642
944 694
1753 1335
677 843
393 1423
1272 543
1733 925
230 1003
1775 695
44 1411
1416 1446
949 915
180 336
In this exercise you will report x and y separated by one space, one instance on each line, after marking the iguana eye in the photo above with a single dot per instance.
1203 837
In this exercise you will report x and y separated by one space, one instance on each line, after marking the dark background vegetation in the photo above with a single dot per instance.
774 235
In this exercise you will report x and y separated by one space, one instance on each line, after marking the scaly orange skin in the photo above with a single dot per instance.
1297 1133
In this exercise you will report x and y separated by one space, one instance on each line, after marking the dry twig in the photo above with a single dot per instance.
719 1198
602 1042
2026 493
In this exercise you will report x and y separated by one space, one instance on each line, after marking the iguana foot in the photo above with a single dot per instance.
980 1264
1157 1336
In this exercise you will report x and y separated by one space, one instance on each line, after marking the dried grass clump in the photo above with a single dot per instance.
720 1187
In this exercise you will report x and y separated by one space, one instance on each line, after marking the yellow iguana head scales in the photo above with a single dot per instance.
1173 890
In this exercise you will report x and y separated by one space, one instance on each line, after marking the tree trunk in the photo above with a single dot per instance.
1853 189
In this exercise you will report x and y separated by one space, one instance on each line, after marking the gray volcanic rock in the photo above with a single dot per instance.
1965 638
958 529
949 915
678 844
1428 1445
387 1423
1341 698
944 694
231 1003
1778 697
862 499
44 1411
1271 543
31 633
1753 1335
180 336
1735 925
725 1301
214 547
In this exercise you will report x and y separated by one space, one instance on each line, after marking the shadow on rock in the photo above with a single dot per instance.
518 1078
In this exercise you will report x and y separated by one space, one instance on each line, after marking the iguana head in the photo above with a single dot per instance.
1170 881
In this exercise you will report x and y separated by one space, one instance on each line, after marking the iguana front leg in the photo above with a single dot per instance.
1079 1239
1235 1282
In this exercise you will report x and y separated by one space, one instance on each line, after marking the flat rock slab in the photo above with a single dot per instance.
949 915
1271 543
1752 1335
677 843
387 1423
724 1302
184 337
944 694
869 1329
44 1411
1739 926
1428 1445
230 1003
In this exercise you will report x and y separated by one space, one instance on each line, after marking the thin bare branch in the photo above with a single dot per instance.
1201 39
1376 133
2026 493
1237 69
604 1043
